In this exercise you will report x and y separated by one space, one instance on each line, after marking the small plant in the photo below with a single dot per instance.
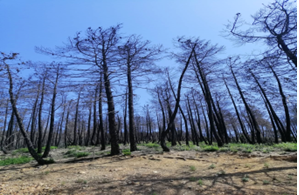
224 149
289 177
199 182
23 150
81 154
126 152
266 182
212 166
211 148
221 172
192 179
152 145
192 168
288 147
248 150
247 166
266 165
74 153
46 172
245 178
19 160
81 181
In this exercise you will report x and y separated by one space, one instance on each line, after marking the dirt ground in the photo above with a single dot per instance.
153 173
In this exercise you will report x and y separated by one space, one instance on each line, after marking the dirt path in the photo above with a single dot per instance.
187 172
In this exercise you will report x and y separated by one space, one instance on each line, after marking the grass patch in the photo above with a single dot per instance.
82 181
212 166
126 152
19 160
192 168
221 172
210 148
200 182
288 147
152 145
266 165
22 150
192 179
74 153
51 148
245 178
266 182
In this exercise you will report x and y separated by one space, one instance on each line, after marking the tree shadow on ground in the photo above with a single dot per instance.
155 184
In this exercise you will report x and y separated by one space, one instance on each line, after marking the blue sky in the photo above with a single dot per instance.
26 24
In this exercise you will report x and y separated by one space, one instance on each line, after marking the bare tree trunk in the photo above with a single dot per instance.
40 130
48 145
76 119
125 121
285 105
165 132
238 115
4 127
19 120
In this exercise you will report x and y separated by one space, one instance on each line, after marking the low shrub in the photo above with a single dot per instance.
126 152
211 148
19 160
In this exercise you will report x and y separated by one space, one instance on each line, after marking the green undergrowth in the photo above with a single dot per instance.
288 147
17 160
126 152
25 150
231 147
76 154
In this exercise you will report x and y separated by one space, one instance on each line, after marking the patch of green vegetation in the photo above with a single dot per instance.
210 148
221 172
200 182
192 168
126 152
212 166
224 149
152 145
19 160
192 179
82 181
266 165
266 182
22 150
168 144
248 150
51 148
245 178
74 153
81 154
288 147
75 147
289 177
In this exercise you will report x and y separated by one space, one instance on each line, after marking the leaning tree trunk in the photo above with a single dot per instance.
248 110
28 142
285 105
237 112
165 132
49 141
40 131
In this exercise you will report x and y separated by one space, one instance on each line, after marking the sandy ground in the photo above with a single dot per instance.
179 172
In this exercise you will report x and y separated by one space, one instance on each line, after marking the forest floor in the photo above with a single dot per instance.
150 171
